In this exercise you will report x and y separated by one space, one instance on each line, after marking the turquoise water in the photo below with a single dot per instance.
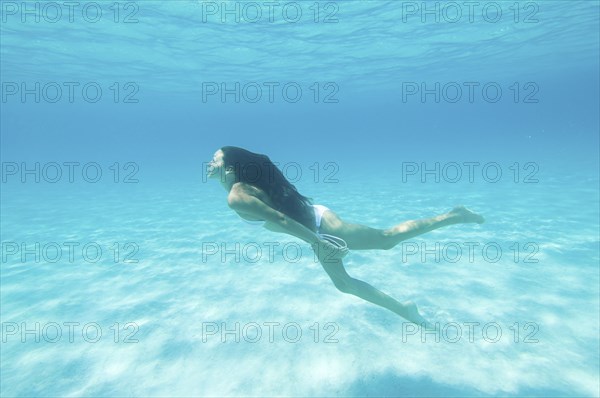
124 273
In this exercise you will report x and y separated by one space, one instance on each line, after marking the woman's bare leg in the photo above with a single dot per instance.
345 283
361 237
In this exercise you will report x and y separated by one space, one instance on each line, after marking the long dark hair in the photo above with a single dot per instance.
258 170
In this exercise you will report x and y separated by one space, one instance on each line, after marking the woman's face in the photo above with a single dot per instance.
215 166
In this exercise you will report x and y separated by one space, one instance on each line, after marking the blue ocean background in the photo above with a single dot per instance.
364 147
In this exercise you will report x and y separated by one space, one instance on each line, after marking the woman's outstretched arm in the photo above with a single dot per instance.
277 221
346 284
241 202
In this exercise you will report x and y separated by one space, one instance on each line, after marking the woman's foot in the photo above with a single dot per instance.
464 215
411 312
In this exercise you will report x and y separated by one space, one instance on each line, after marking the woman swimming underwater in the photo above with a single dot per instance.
258 191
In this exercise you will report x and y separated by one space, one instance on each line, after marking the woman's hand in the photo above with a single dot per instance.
327 251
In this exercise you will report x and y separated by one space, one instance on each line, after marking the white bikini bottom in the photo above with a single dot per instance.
319 210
